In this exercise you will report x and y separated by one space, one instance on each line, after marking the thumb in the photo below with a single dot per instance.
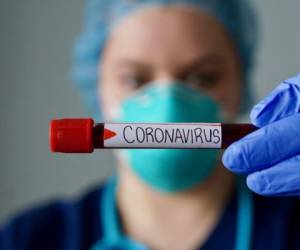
283 101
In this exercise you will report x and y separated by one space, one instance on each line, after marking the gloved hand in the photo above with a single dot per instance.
270 156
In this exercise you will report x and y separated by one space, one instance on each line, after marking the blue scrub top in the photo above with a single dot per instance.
74 225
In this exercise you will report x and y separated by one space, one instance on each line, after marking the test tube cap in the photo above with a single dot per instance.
71 135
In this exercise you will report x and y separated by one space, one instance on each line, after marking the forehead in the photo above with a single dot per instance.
168 34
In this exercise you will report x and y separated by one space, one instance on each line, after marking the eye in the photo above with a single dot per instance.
203 80
133 81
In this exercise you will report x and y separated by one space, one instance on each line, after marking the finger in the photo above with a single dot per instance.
265 146
281 179
283 101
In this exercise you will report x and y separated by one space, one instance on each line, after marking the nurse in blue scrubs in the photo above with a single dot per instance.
167 61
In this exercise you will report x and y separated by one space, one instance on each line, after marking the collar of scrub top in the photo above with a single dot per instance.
114 239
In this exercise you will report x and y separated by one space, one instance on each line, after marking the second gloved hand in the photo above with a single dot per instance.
270 156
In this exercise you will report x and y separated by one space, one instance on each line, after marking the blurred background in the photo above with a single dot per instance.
36 38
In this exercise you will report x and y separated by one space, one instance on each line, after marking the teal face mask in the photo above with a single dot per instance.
170 170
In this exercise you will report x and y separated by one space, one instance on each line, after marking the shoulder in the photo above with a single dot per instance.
277 222
284 208
73 224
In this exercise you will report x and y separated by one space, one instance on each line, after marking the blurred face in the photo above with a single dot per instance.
170 43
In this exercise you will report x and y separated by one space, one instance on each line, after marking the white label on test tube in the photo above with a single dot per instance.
166 135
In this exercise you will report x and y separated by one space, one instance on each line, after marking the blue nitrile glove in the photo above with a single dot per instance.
271 155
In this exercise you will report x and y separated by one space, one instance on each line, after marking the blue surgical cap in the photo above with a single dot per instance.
237 16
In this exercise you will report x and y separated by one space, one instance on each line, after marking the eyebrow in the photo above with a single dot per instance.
194 63
204 60
134 63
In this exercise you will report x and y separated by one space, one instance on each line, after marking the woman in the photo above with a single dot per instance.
171 61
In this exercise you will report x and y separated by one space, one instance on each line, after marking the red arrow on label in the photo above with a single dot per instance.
108 134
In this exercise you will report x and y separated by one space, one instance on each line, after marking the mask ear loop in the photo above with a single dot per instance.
113 111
